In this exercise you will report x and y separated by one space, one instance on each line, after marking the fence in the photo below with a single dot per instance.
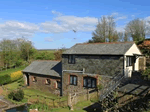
81 96
51 102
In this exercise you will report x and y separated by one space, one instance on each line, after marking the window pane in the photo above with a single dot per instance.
127 61
73 59
89 82
59 84
69 58
93 83
71 79
75 80
84 82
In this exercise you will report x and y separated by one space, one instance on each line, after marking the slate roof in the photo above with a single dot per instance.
51 68
117 48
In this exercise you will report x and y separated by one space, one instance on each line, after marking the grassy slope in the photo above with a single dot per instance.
9 71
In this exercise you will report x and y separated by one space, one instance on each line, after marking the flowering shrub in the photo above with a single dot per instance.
16 75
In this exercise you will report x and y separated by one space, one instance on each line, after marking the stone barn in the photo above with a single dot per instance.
44 75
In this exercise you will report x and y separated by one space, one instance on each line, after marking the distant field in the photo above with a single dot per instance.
50 52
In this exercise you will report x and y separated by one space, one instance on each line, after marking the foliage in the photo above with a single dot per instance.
144 48
105 30
40 107
4 79
16 95
137 29
14 52
147 71
100 86
44 55
58 54
16 75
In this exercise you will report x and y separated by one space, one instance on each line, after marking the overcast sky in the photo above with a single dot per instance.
49 24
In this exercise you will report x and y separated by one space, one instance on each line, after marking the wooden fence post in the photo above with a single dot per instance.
88 96
69 99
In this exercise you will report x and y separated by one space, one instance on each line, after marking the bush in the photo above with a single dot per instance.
16 75
99 87
19 63
4 79
146 72
11 95
17 95
58 54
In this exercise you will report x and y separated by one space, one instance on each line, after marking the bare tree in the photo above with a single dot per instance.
137 29
123 37
105 30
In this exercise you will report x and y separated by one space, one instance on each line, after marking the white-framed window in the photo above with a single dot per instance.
71 59
129 60
47 81
34 79
89 82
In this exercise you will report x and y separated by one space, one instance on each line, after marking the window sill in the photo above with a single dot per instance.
73 85
129 66
47 84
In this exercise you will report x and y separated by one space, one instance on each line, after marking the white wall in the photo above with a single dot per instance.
133 50
25 78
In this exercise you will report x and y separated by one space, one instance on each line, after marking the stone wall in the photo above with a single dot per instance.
41 83
67 88
104 65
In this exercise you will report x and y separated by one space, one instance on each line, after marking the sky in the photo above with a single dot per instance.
49 24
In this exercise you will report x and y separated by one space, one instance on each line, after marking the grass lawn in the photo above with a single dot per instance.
9 71
13 85
77 108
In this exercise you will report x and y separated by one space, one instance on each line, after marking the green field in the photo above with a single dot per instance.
50 53
9 71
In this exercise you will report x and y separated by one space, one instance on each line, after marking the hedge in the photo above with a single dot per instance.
4 79
8 78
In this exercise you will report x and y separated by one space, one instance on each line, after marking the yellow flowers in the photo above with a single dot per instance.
16 75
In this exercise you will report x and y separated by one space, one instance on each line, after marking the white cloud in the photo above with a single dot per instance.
115 14
120 17
15 29
63 23
49 39
57 13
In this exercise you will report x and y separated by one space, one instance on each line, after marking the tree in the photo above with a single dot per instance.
105 30
137 29
26 49
8 51
123 37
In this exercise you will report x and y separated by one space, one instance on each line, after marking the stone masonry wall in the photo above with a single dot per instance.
67 88
41 83
103 65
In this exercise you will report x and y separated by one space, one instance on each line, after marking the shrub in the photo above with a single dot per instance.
16 75
11 95
146 72
58 54
17 95
99 87
4 79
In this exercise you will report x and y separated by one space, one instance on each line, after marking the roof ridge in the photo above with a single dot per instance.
105 43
